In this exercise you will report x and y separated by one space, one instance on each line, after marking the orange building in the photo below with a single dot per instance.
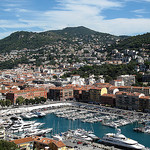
61 93
36 142
27 94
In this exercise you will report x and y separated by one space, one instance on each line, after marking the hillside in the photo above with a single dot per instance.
32 40
135 42
29 40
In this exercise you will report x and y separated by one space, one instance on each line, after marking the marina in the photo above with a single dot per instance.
93 119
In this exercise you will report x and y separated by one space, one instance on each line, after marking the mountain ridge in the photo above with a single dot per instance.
30 40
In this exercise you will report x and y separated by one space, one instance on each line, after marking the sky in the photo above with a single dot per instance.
117 17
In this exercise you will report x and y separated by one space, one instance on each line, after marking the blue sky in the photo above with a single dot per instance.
118 17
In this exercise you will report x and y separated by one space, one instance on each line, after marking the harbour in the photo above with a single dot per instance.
61 118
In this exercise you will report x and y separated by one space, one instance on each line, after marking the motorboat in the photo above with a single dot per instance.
119 139
40 114
57 137
28 115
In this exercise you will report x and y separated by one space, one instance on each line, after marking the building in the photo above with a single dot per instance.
128 79
144 90
108 100
113 90
144 103
36 142
25 143
95 93
77 93
61 93
117 82
85 95
146 78
26 94
127 100
48 144
106 85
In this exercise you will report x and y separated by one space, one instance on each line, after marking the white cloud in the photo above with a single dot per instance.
98 3
76 13
122 26
140 11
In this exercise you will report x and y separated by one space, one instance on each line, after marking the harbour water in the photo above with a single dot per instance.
62 125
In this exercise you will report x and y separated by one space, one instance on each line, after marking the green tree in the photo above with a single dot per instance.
3 103
37 100
55 77
8 102
43 99
26 101
20 100
32 101
5 145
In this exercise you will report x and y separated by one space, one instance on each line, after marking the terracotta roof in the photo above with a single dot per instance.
26 90
145 97
113 87
96 88
23 140
128 93
109 95
124 87
59 144
43 140
40 140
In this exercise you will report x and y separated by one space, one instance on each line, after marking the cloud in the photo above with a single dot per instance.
76 13
103 4
140 11
122 26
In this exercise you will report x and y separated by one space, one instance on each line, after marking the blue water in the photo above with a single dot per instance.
63 124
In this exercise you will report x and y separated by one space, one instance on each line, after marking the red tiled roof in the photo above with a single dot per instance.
40 140
23 140
145 97
109 95
128 93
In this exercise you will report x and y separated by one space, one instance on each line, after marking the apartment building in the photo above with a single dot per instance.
144 103
108 100
128 79
95 93
144 90
27 94
127 100
60 93
117 82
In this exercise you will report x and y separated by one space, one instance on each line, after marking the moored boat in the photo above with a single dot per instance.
119 139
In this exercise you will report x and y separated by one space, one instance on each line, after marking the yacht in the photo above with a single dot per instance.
120 140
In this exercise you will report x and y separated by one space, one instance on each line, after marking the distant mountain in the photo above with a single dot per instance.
76 31
32 40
